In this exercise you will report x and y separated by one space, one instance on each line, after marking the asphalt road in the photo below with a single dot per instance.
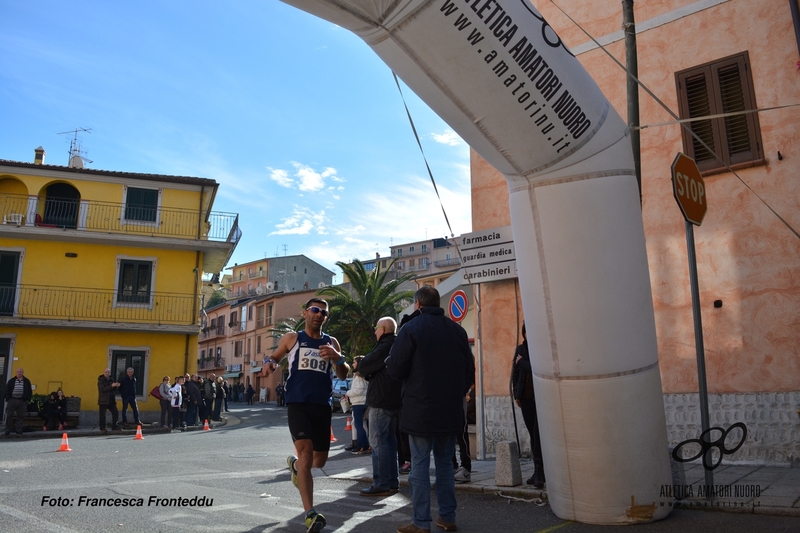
235 479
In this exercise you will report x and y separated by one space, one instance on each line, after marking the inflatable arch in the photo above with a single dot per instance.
496 72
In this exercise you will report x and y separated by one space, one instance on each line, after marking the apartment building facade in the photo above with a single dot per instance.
102 269
702 59
276 274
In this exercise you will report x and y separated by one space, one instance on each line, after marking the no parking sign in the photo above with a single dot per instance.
458 305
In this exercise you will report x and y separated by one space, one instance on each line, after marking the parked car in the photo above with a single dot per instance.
340 388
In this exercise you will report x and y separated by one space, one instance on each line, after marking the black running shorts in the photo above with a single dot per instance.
311 421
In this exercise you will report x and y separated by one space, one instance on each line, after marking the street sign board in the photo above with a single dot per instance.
488 255
458 306
689 189
479 239
487 273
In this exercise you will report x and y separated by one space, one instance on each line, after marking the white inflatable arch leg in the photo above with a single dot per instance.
499 76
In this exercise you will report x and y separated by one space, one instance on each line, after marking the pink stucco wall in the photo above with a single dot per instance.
746 256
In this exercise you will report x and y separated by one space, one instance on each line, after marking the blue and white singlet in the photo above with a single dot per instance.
310 376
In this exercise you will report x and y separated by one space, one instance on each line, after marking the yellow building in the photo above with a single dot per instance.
103 269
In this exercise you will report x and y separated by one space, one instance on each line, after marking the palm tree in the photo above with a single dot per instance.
355 310
282 328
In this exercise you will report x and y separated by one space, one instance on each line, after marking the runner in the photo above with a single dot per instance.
313 358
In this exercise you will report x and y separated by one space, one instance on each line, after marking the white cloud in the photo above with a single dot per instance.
310 180
449 137
280 176
304 177
302 221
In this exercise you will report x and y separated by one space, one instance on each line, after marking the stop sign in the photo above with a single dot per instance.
689 189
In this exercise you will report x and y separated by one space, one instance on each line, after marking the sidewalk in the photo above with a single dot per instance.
147 429
770 490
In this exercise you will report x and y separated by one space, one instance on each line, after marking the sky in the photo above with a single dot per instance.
300 123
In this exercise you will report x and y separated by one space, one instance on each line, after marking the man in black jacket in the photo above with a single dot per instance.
127 391
18 394
384 401
209 393
106 387
431 355
195 400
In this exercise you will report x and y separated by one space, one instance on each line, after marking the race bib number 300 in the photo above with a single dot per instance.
310 360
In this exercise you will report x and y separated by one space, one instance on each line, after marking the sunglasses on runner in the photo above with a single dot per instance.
315 309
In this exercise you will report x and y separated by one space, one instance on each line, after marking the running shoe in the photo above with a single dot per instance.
405 468
290 461
314 522
462 475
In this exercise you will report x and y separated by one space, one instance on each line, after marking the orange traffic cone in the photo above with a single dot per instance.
205 426
138 433
348 427
64 444
333 437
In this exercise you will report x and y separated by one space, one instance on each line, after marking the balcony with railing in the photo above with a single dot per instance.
211 363
118 218
80 304
422 266
209 333
410 253
447 262
256 275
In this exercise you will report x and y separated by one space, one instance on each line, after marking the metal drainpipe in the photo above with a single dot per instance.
195 291
795 8
480 415
632 64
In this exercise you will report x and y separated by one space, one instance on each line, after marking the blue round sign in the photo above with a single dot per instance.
458 305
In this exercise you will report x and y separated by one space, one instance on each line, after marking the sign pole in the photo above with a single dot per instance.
698 341
690 193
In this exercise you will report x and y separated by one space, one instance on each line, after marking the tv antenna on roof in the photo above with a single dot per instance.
76 157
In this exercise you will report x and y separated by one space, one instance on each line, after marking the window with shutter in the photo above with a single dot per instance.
719 87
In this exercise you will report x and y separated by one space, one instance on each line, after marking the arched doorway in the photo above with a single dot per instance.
61 205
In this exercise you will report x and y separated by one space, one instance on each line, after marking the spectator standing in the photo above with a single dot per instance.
175 401
166 407
227 390
279 394
250 393
219 399
463 473
127 391
18 393
522 380
194 399
384 401
357 395
431 356
209 388
106 387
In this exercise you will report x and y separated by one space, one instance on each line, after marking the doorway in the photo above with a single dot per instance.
5 352
9 266
61 205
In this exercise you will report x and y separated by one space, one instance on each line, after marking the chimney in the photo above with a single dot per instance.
38 159
377 255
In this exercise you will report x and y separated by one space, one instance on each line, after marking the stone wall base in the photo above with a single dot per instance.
772 420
